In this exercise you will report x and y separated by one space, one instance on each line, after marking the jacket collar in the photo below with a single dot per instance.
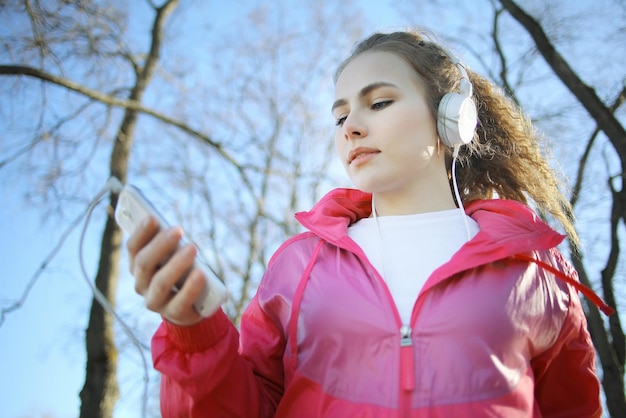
507 227
334 212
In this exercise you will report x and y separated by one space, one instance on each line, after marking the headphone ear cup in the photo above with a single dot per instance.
456 119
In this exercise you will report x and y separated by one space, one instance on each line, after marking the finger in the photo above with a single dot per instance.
153 255
145 231
143 234
160 289
180 309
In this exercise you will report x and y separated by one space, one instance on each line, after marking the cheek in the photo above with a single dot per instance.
417 117
421 127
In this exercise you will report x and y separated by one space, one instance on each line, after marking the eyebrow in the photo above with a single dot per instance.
364 92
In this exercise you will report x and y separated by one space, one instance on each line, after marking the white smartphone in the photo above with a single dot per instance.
132 207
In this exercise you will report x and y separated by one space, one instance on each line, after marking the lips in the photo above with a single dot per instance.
361 152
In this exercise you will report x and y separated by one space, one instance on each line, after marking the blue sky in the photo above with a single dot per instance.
42 355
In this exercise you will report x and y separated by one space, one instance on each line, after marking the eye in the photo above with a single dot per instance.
340 121
381 104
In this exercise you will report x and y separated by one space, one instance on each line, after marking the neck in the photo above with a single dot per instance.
427 191
431 195
394 205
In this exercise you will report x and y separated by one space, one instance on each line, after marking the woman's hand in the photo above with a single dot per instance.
148 248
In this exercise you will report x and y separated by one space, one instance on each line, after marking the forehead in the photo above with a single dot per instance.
375 66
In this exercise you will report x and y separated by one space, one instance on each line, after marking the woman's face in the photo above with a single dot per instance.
386 135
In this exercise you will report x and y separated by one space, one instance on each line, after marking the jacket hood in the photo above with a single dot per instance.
506 226
334 212
507 229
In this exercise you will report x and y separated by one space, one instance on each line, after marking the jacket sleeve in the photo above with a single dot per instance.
566 383
204 373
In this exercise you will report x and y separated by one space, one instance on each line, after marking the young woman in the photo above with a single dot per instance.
431 290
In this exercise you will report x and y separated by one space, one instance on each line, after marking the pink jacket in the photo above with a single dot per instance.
498 331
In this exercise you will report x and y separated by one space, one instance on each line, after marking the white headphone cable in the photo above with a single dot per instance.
455 154
380 239
113 185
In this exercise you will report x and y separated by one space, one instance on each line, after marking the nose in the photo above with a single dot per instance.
353 128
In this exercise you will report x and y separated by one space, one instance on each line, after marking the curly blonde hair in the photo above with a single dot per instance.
505 158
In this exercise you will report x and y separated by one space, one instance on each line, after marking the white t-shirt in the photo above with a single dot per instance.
410 247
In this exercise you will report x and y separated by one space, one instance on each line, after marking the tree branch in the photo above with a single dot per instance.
31 283
585 157
22 70
586 95
501 56
618 212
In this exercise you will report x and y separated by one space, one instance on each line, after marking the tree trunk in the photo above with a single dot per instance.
100 391
609 343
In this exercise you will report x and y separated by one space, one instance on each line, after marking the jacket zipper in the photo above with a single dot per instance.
407 370
407 363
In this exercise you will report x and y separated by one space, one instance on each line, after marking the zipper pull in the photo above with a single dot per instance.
405 336
407 367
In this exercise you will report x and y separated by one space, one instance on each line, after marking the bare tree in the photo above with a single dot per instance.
609 342
237 194
49 30
100 391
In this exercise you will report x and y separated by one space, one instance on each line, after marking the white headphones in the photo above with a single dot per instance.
457 116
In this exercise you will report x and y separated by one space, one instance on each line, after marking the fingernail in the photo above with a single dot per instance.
175 232
190 248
